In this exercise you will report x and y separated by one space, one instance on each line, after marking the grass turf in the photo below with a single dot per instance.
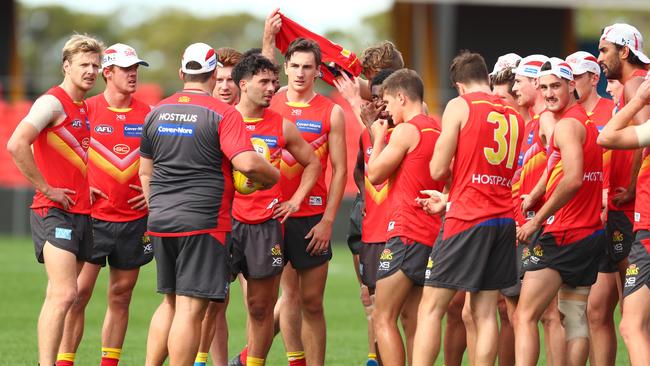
22 287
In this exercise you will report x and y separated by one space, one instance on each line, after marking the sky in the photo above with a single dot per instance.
320 15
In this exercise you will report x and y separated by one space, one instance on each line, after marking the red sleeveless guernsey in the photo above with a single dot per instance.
407 219
642 204
580 217
377 209
620 167
114 157
313 122
61 155
533 166
485 162
257 207
600 115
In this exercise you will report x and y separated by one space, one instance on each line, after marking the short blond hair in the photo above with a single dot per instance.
228 56
381 56
81 43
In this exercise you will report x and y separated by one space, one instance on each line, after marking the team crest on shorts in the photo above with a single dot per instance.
146 244
538 251
276 250
617 236
630 275
386 255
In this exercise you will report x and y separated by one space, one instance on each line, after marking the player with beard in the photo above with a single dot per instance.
622 58
49 146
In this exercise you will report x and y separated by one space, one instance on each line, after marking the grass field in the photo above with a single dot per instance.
22 286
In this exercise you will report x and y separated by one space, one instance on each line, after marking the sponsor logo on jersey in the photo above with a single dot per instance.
104 129
250 127
175 130
315 201
184 99
271 141
178 117
121 149
305 125
120 117
296 112
550 220
132 130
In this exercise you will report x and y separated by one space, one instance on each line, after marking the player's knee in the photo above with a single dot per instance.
467 316
259 309
312 306
119 295
629 328
62 297
574 314
597 315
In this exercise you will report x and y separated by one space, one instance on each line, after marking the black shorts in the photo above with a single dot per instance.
619 236
64 230
126 245
406 255
515 290
637 274
480 258
257 249
354 229
196 266
369 262
295 244
577 263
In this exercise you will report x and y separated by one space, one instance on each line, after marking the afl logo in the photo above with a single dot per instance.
77 123
121 149
369 151
104 129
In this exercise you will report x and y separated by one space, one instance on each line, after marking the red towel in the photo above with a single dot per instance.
331 52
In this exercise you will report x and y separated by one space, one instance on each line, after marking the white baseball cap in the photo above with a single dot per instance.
582 62
507 61
201 53
559 68
626 35
529 66
121 55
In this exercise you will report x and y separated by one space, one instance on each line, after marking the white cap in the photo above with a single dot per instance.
529 66
559 68
626 35
507 61
121 55
201 53
582 62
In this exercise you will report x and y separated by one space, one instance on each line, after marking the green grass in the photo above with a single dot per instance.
22 287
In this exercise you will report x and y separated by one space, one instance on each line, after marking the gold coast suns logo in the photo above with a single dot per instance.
617 236
276 250
184 99
386 255
538 250
632 270
429 263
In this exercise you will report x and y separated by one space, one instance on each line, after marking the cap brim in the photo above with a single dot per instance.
128 64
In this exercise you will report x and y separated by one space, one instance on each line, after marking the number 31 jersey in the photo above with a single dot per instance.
485 160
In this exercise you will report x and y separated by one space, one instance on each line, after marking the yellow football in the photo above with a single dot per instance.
242 184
